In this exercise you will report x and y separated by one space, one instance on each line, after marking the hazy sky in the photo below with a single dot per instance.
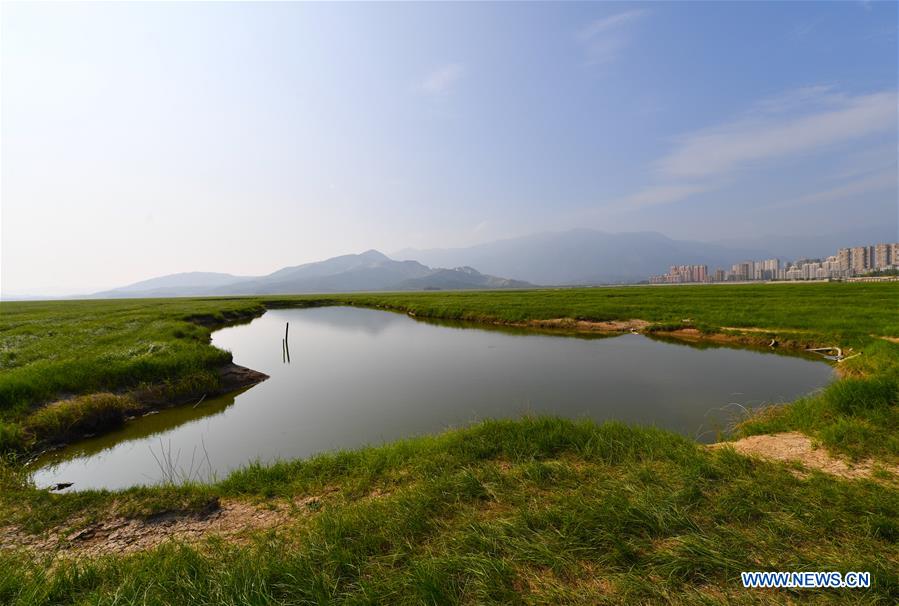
143 139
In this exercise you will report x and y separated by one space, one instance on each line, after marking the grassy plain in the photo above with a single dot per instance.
527 511
540 511
158 349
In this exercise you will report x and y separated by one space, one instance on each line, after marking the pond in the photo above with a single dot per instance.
360 377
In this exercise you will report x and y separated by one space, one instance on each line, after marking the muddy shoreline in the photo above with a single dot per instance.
233 377
753 337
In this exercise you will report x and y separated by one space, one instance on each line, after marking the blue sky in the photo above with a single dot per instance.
143 139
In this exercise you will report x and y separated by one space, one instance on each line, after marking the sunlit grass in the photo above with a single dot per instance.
537 510
159 348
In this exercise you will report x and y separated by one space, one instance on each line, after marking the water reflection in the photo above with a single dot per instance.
360 376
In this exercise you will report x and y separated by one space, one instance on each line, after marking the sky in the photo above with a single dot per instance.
141 139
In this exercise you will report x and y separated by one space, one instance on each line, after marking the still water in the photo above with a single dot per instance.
361 377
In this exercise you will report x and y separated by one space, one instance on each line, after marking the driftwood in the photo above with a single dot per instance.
833 353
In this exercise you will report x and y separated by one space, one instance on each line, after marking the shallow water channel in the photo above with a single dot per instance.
362 377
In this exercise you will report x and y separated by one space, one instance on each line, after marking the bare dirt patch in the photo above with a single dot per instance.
589 325
761 330
232 519
233 376
694 334
794 447
753 337
228 519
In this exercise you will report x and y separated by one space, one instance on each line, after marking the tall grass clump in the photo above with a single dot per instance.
856 416
77 416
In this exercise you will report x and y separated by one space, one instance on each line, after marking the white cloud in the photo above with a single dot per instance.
604 38
866 161
443 79
610 23
800 98
804 120
881 181
662 194
746 142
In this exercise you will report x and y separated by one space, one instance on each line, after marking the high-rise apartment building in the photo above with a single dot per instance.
844 257
847 263
767 269
883 256
678 274
859 260
793 273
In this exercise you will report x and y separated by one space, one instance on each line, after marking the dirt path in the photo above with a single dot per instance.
232 519
794 447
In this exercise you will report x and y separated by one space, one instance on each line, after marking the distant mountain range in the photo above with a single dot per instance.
369 271
587 256
582 256
573 257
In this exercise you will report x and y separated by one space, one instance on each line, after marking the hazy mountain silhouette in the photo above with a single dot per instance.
459 278
577 256
193 282
370 270
582 256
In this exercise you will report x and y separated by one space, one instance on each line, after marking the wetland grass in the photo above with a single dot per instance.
537 510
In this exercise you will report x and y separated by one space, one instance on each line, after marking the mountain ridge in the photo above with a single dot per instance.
582 256
574 257
367 271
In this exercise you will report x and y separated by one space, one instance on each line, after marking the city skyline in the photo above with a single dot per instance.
848 262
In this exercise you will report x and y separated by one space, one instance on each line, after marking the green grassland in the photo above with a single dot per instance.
158 350
541 511
838 310
528 511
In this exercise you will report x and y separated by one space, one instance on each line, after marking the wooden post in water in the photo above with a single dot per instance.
286 328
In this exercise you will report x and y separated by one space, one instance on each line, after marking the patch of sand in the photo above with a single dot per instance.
694 334
231 519
228 519
796 447
590 326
